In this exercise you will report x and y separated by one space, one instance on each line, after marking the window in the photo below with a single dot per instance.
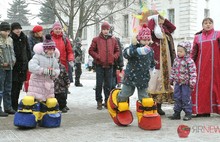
171 15
110 5
206 13
84 33
125 25
125 3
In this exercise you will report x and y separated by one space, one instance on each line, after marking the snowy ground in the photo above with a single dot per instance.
84 123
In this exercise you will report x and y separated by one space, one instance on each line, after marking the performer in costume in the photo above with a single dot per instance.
164 55
206 54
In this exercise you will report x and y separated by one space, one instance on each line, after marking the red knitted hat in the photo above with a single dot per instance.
105 25
37 29
144 33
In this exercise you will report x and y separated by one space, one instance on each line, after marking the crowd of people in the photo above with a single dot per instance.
154 67
32 61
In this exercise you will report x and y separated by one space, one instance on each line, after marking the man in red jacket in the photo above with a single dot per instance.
105 51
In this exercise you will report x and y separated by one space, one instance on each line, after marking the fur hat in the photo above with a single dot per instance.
37 29
186 45
15 25
48 43
144 33
56 25
105 25
5 26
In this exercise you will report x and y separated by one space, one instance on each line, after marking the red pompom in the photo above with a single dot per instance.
144 25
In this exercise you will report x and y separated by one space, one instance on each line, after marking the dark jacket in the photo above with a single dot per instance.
78 52
61 83
105 51
119 63
33 40
22 54
138 66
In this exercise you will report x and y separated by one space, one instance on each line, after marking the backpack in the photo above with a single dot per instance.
64 40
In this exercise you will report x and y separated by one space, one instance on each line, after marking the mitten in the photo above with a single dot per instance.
46 72
143 50
52 73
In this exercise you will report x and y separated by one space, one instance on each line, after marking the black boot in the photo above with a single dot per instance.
175 116
159 110
105 104
187 117
99 105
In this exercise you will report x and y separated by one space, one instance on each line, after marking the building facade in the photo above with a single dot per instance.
187 16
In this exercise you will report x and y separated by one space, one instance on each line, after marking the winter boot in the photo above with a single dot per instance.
99 105
159 110
187 117
175 116
105 104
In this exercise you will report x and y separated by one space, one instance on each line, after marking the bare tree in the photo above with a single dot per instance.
87 12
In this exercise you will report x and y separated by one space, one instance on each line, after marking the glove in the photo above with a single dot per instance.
71 63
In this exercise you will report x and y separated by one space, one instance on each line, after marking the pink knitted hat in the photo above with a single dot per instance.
144 33
56 25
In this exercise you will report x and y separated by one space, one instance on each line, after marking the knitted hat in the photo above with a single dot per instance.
5 26
48 43
37 29
186 45
56 25
105 25
15 25
144 33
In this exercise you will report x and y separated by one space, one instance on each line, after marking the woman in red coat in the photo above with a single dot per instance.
206 54
63 45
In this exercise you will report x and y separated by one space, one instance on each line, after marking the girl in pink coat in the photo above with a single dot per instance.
44 69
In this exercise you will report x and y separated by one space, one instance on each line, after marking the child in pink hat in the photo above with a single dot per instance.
140 60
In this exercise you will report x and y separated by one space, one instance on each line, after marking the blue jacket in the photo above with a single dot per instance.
138 66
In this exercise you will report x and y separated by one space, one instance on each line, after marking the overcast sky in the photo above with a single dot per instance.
34 9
